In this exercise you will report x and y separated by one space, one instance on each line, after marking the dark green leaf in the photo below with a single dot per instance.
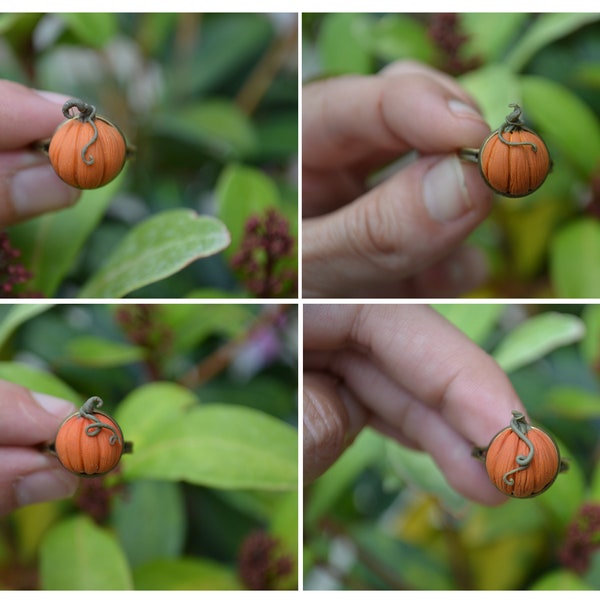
100 353
572 403
15 315
159 503
93 29
398 36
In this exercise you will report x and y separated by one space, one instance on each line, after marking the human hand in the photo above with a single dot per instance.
28 184
28 475
403 237
408 372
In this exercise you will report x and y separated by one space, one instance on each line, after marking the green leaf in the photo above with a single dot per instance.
143 413
544 30
398 36
489 34
560 579
160 503
343 43
93 29
494 86
332 485
76 554
243 192
228 447
12 316
155 249
101 353
564 120
51 244
476 321
217 125
590 345
574 264
537 337
38 381
419 469
185 574
572 403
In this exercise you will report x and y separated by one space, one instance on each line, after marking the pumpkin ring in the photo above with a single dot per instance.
89 443
86 151
522 461
513 160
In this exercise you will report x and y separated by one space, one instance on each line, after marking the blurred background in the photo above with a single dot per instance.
211 104
383 517
208 396
546 244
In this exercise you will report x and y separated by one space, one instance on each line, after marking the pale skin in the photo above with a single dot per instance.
409 373
28 474
28 184
403 237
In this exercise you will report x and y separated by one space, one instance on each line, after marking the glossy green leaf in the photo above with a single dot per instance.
572 403
574 264
223 446
243 192
489 35
158 502
12 316
343 43
420 470
101 353
577 135
494 86
38 381
537 337
545 29
476 321
155 249
185 574
76 554
143 413
51 244
217 125
94 29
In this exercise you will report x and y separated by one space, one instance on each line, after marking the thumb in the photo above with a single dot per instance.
395 230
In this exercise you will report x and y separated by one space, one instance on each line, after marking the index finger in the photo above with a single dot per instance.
427 356
350 119
26 116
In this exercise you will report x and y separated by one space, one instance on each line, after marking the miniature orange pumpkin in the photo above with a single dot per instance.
87 151
517 168
89 443
522 461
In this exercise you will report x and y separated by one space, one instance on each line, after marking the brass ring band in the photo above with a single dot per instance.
469 155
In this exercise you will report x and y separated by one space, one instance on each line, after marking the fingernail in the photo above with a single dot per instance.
445 193
39 189
54 406
52 96
462 109
43 486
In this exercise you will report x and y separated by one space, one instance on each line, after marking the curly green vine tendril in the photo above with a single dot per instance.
520 428
513 121
87 114
93 429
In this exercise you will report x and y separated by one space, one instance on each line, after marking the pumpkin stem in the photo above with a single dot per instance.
87 114
513 122
520 427
93 429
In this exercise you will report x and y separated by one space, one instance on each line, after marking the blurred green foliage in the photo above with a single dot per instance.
208 396
546 244
383 517
201 97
